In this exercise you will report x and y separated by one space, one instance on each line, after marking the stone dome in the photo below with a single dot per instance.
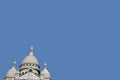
30 58
12 71
45 72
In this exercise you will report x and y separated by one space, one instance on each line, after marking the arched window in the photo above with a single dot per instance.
30 70
33 65
22 73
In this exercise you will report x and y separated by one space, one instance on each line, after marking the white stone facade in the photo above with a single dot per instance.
28 70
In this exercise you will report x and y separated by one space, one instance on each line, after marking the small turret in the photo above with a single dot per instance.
45 73
11 73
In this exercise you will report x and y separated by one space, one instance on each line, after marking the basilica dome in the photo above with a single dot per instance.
29 69
30 58
45 72
12 71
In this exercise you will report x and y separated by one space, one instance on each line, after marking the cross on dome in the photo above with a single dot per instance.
14 64
31 50
45 65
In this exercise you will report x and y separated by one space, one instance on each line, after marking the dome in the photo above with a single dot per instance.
45 72
12 71
30 58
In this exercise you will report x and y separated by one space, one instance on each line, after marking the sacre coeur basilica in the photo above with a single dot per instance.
28 70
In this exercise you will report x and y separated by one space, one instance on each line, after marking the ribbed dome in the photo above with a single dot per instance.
45 72
12 71
30 58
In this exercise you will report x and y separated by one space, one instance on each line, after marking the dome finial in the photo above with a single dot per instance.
14 64
31 50
45 65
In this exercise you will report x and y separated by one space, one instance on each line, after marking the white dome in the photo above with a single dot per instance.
12 71
45 72
30 58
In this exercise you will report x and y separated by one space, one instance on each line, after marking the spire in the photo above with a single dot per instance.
14 64
45 65
31 50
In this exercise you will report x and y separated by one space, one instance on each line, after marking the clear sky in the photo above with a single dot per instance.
79 39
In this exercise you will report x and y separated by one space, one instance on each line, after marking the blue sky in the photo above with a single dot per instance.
79 39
